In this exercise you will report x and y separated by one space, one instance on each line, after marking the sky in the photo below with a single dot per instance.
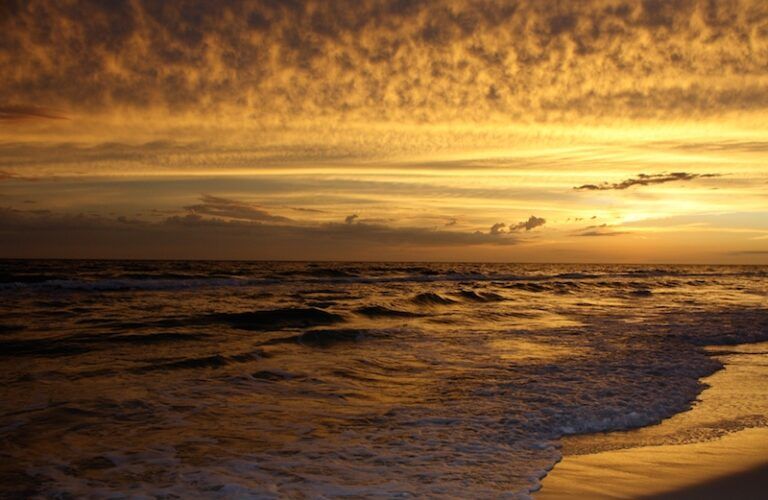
465 130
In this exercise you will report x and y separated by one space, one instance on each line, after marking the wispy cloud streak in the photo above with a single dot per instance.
18 113
645 180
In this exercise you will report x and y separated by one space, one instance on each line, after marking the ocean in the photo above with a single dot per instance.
179 379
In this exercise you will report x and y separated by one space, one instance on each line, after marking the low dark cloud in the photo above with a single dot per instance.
497 228
645 180
17 113
527 225
233 209
308 210
383 234
216 228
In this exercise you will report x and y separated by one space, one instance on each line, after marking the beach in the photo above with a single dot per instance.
719 449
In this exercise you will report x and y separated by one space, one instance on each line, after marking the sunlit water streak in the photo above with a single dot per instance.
300 379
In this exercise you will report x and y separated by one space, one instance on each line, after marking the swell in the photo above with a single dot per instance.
475 296
271 319
385 312
432 299
211 361
78 344
259 320
272 375
329 337
10 328
317 338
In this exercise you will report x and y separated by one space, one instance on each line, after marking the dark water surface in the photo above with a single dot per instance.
238 379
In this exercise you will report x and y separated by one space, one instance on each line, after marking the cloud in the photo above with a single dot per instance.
645 180
527 225
750 252
308 210
18 113
720 146
383 234
599 230
532 223
233 209
497 228
601 233
259 83
388 61
6 176
237 233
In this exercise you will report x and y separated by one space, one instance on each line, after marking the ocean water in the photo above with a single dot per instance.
267 380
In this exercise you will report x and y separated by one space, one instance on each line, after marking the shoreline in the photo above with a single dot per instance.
718 447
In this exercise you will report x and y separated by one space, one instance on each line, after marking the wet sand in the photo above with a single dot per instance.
719 449
747 485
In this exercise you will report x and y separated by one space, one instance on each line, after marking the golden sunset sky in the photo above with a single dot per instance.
532 131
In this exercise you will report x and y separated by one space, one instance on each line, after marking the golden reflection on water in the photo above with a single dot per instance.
523 350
